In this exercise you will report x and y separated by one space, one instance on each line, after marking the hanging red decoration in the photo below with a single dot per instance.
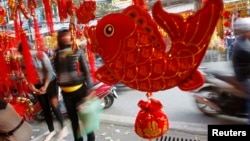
91 55
23 106
15 6
71 8
226 14
204 1
31 73
91 59
23 9
151 122
86 12
2 16
17 28
227 24
77 66
62 9
12 77
134 53
141 3
39 41
32 7
48 15
6 38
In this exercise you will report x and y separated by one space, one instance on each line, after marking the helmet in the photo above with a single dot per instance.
241 25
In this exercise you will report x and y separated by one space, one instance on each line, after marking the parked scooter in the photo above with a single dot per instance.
221 94
106 93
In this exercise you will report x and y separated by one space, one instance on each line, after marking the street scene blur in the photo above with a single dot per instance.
100 95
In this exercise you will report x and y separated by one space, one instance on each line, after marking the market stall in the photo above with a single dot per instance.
131 46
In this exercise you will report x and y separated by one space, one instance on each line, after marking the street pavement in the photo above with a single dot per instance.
121 128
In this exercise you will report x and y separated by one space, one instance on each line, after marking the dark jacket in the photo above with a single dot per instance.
71 68
241 58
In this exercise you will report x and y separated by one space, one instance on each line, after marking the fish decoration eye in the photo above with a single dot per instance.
109 30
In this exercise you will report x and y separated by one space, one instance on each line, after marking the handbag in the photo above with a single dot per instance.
89 112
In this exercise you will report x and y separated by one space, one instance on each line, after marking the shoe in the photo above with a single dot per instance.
50 135
62 134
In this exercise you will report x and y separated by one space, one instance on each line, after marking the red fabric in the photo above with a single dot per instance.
141 3
226 14
48 15
151 122
17 28
23 107
227 24
91 58
86 12
135 53
31 73
62 8
39 41
5 42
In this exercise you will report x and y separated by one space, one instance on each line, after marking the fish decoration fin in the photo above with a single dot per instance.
195 81
190 29
105 76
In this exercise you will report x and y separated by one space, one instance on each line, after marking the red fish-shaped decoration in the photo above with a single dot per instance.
134 52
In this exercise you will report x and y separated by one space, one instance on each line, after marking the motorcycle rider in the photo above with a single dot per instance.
241 55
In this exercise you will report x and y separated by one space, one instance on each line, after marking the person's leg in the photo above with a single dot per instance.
52 90
45 104
58 113
70 105
91 136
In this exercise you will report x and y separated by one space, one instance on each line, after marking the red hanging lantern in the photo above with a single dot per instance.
227 24
226 14
151 122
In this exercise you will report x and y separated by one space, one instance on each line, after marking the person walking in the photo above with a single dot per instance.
47 91
241 55
12 126
73 78
230 39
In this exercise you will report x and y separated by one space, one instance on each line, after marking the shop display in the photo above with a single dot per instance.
134 53
130 43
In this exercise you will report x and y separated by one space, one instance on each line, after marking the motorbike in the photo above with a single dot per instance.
221 94
106 93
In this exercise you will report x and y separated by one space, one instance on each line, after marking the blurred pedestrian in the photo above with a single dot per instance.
47 91
12 126
241 55
230 39
73 78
